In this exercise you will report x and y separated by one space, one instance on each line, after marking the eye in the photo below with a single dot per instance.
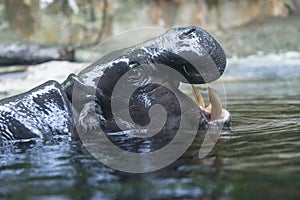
136 73
133 64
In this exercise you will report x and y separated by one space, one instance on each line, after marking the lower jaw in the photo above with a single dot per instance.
220 124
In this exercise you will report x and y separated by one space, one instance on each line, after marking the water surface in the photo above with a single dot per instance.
258 159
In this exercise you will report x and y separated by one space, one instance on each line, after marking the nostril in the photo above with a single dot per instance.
189 31
184 34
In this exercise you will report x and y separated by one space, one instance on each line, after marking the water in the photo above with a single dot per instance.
258 159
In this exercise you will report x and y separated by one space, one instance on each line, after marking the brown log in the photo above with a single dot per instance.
33 54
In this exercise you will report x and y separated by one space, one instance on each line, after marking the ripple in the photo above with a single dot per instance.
260 155
265 134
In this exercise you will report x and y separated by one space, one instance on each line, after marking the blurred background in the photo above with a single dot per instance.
242 26
259 158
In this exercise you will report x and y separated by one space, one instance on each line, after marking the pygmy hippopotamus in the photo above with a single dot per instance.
153 72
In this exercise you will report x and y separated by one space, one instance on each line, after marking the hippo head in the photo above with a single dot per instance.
192 52
118 91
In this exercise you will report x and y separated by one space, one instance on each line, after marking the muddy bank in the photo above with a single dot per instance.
18 82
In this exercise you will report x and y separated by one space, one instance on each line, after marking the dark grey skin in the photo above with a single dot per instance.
83 101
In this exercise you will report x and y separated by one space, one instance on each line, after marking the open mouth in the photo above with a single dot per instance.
214 112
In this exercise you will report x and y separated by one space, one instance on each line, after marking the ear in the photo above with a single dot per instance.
89 117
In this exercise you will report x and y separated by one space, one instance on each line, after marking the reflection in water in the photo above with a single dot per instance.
258 159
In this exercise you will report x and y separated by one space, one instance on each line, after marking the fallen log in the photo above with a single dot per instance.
33 54
12 69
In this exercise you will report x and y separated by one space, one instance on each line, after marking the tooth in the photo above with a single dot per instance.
208 107
216 104
198 97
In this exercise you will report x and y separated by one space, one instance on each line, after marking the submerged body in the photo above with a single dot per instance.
84 101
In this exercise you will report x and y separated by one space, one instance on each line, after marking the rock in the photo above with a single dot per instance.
33 54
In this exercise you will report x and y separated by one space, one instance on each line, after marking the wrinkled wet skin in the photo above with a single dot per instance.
152 70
